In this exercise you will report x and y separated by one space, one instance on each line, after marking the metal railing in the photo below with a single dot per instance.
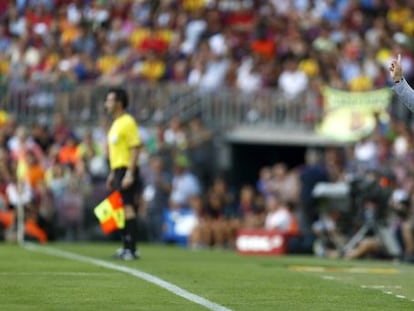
82 105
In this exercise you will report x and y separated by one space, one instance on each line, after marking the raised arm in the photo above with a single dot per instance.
403 90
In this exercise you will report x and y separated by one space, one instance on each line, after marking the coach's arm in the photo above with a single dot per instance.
404 93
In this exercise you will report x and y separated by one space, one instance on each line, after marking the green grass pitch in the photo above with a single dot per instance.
33 280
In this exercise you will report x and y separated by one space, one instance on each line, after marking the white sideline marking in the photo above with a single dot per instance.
328 277
55 273
381 286
134 272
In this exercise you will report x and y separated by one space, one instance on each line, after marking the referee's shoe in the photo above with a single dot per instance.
126 254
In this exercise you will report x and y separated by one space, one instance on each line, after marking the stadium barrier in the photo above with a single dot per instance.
153 103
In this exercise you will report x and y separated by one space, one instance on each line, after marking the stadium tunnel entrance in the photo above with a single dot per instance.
248 159
251 148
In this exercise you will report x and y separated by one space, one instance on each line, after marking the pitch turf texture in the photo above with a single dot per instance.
41 278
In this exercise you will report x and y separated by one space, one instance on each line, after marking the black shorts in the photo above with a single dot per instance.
129 194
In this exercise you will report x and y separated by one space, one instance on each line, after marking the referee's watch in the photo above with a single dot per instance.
398 81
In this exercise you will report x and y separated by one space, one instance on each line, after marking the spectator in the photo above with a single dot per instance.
249 79
60 129
292 80
366 153
184 183
156 196
42 137
57 179
153 68
221 207
35 173
179 221
200 235
69 152
217 225
310 174
174 136
250 213
20 142
200 150
278 216
286 183
264 183
70 207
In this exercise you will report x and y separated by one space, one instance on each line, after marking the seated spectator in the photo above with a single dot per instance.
93 155
108 63
200 236
42 136
278 216
250 213
21 143
215 72
174 137
69 153
286 183
249 79
19 195
179 221
217 225
35 176
35 172
153 68
264 183
60 129
57 179
70 210
184 183
292 81
155 42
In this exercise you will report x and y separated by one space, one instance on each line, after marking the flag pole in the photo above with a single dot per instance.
20 215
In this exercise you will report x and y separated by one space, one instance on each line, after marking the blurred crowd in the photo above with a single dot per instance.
246 44
57 175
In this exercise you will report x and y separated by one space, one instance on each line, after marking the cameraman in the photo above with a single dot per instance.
402 207
401 229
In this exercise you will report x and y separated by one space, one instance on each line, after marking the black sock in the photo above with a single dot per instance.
130 233
123 237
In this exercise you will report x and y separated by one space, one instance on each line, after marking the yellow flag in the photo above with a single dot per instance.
110 213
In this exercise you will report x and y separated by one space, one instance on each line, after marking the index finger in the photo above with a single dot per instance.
399 59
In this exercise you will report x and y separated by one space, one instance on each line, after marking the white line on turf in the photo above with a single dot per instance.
381 286
55 273
134 272
387 292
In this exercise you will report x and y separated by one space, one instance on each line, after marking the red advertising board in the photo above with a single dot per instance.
260 242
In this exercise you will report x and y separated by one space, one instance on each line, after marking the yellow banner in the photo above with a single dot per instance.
348 116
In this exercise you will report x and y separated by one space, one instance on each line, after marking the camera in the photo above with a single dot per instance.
371 194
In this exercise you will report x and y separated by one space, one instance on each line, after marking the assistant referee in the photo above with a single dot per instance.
124 144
